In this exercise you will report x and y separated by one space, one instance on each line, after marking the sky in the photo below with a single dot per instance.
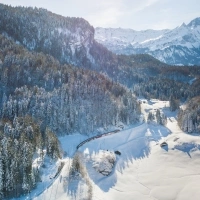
134 14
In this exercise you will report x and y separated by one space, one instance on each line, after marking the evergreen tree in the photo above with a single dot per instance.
173 103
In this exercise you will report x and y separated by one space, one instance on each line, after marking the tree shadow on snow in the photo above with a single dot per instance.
72 186
134 145
165 148
187 148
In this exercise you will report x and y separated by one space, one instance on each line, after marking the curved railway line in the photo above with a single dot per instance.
77 147
95 137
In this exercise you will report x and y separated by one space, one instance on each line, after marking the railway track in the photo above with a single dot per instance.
96 137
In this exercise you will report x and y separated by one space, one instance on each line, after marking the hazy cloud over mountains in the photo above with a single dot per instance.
138 15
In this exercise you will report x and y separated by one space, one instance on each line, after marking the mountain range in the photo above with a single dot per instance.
178 46
72 41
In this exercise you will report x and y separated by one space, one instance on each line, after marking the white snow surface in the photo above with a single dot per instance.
144 170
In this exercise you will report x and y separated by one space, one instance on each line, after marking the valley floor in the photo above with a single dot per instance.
171 172
144 170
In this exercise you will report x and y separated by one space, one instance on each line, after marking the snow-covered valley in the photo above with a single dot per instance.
144 170
71 125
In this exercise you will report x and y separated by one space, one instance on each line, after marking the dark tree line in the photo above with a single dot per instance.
20 139
165 89
189 116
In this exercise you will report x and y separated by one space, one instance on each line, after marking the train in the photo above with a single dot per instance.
96 137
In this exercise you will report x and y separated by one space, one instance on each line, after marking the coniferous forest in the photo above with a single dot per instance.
41 99
55 79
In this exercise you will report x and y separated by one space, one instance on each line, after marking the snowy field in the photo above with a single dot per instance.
144 170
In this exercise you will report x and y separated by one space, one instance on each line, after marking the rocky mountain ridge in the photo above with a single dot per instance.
179 46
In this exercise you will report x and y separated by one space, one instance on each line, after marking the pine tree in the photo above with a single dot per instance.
173 103
150 117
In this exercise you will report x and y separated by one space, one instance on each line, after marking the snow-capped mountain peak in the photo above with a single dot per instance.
194 23
177 46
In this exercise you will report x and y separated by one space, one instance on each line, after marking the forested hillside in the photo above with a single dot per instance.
21 138
189 116
55 79
62 95
71 41
40 97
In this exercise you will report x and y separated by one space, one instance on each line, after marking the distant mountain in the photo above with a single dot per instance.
71 41
179 46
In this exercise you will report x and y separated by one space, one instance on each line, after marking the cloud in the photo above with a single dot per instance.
105 18
138 6
161 25
136 14
150 2
107 14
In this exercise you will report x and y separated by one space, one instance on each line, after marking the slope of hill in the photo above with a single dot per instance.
179 46
67 39
40 99
38 85
144 170
55 78
189 116
71 41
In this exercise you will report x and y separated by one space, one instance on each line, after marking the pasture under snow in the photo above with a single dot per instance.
144 170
